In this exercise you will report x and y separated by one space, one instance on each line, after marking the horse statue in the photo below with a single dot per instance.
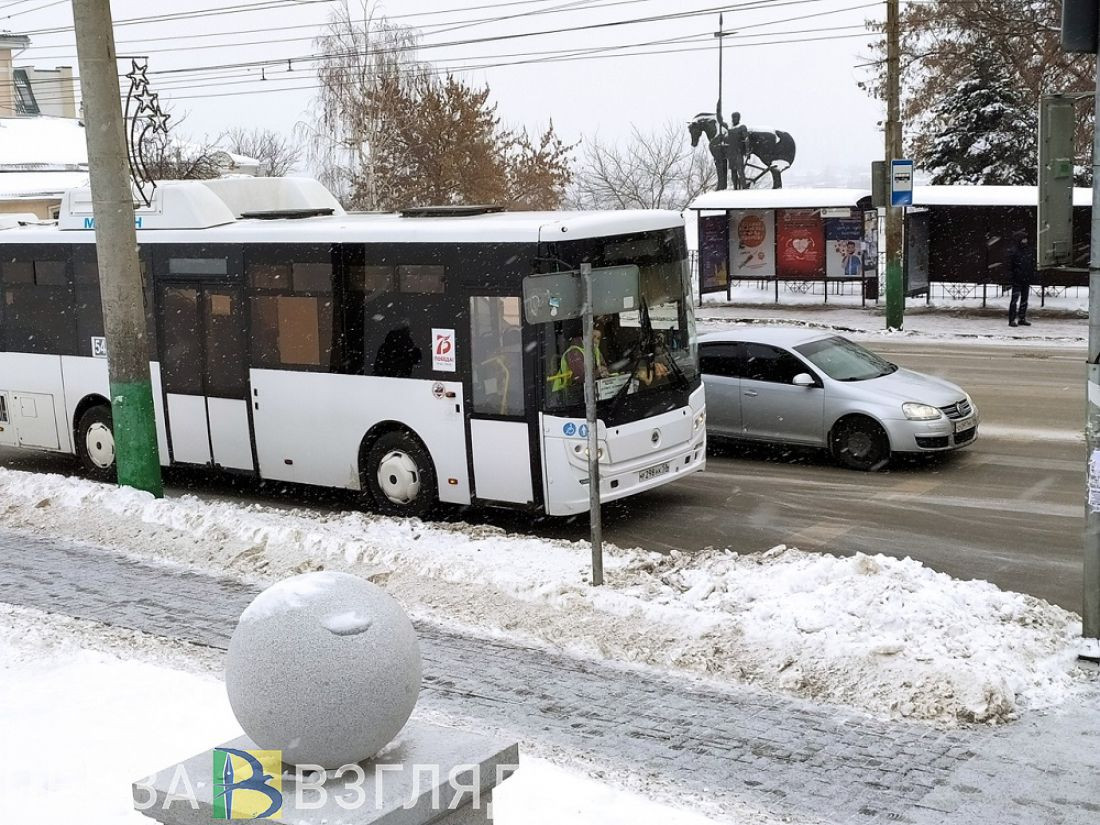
733 146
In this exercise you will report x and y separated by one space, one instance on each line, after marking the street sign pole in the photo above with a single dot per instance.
1090 628
895 299
594 512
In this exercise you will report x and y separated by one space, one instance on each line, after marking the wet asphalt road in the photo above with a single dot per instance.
1008 509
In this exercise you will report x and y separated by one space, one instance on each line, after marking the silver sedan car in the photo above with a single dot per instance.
791 385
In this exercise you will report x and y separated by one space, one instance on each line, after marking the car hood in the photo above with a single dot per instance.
906 385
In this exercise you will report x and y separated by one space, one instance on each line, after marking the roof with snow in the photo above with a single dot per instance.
785 198
30 144
38 185
823 198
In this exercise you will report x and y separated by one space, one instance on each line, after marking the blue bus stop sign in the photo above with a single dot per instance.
901 183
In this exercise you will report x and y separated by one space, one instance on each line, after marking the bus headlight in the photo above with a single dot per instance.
700 420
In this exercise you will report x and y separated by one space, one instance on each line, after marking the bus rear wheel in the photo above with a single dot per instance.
399 475
95 443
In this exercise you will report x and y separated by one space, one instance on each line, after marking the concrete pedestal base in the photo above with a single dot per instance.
427 775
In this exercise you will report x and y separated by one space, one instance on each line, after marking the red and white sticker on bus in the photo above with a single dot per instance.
443 350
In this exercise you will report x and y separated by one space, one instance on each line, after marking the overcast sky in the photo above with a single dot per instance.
806 83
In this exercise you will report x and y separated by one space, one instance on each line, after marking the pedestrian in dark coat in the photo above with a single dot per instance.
1023 271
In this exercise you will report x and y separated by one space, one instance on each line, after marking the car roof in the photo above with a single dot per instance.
783 336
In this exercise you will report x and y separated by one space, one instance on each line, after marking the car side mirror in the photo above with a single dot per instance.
804 379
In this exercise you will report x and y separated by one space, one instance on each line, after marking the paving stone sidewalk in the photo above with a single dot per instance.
792 759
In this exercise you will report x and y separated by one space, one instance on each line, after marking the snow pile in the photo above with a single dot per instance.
129 718
889 636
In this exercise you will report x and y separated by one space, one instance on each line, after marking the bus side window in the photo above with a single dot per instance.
292 312
38 305
497 355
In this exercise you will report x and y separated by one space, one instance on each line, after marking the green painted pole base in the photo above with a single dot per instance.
895 296
135 431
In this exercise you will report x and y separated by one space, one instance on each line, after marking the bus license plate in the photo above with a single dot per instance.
653 472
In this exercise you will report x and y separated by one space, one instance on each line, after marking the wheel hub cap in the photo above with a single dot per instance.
100 443
860 445
399 477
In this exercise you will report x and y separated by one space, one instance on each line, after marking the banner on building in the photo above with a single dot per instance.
800 244
713 253
752 243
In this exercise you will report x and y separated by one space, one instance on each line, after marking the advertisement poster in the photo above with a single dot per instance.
800 244
713 253
844 247
870 240
916 252
443 350
752 243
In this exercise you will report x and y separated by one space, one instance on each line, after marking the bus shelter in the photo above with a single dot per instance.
965 235
787 235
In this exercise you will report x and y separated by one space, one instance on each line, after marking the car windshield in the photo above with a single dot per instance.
844 360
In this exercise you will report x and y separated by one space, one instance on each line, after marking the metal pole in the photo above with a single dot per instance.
895 299
594 512
718 108
133 420
1090 613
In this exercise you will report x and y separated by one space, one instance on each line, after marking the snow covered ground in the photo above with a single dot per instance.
120 705
1062 323
888 636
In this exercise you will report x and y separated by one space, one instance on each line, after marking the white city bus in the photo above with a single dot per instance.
387 353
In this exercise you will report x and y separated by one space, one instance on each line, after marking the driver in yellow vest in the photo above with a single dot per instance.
571 365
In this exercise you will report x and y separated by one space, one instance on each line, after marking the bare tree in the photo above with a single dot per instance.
365 59
276 153
648 170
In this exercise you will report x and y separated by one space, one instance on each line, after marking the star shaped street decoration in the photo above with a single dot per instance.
146 118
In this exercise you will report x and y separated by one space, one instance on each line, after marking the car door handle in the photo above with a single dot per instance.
751 393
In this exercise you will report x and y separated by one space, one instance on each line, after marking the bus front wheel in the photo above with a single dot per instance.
399 475
95 443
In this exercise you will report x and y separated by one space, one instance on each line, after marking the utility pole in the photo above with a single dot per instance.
134 424
595 513
718 108
895 298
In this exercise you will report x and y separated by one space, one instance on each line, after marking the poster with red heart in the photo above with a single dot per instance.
799 243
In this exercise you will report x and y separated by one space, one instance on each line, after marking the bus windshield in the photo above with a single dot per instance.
638 350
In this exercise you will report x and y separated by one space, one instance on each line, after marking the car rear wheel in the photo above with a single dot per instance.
861 444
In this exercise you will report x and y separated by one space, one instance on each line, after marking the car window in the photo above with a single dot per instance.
767 363
720 359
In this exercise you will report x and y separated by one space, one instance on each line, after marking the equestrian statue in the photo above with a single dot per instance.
746 153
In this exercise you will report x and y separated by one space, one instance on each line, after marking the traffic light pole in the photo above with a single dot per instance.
133 421
895 297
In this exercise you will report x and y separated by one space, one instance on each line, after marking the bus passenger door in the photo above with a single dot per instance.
204 369
500 436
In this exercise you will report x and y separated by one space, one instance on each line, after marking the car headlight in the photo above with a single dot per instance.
920 412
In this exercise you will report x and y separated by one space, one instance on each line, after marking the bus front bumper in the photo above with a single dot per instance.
638 456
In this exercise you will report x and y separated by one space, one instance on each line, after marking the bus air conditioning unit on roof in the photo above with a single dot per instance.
175 205
461 211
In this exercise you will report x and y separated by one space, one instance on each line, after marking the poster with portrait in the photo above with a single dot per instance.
799 244
870 241
713 253
844 247
752 243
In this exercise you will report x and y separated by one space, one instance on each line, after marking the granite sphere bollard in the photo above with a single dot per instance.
325 667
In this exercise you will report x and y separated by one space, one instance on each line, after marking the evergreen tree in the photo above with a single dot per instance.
983 131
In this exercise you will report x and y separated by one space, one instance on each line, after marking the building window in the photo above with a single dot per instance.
25 103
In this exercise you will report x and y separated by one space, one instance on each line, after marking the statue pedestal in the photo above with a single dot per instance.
427 775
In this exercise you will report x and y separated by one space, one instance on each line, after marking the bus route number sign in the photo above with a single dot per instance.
99 346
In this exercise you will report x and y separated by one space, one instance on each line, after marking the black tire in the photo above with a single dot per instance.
95 443
398 473
861 444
